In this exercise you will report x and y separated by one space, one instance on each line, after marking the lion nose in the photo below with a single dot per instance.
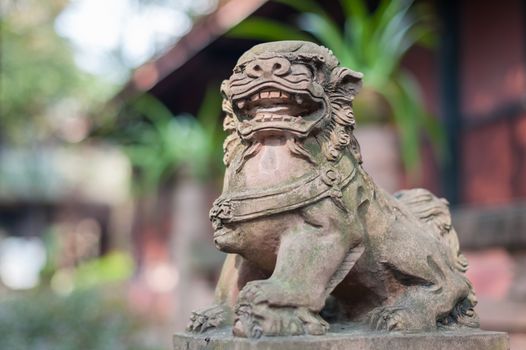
268 67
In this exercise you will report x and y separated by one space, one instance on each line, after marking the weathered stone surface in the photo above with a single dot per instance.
346 338
312 239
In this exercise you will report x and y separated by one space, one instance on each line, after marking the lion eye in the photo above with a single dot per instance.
312 70
320 76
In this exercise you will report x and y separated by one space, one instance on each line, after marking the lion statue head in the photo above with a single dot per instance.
290 87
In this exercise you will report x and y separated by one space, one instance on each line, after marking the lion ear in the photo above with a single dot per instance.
347 80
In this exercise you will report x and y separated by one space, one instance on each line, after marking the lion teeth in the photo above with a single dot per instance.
269 94
241 104
267 117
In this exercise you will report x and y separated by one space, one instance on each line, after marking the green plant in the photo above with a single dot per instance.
89 319
38 75
374 43
159 143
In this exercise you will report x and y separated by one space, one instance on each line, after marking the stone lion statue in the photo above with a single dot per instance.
311 239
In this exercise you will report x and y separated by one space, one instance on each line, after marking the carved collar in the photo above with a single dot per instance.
326 181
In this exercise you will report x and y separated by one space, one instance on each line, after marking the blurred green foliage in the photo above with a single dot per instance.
38 73
114 267
110 268
75 307
373 42
83 320
161 145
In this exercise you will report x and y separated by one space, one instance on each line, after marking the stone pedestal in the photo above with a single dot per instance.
342 338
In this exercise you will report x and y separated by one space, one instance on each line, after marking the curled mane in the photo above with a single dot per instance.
232 140
338 133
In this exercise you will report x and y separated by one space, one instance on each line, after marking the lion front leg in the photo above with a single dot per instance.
309 254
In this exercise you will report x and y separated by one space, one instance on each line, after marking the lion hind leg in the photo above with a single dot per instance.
425 303
434 212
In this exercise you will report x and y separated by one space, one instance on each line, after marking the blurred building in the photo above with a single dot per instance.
73 199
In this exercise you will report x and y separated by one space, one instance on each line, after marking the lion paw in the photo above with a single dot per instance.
204 319
253 321
264 291
391 318
277 293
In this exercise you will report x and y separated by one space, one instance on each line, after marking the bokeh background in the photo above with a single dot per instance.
110 148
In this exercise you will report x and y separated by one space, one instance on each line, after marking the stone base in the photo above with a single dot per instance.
342 338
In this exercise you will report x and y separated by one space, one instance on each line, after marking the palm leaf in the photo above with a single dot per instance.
305 6
426 122
357 26
328 34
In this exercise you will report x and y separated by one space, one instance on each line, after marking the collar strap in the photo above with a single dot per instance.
247 205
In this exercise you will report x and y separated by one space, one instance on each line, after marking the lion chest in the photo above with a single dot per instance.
273 165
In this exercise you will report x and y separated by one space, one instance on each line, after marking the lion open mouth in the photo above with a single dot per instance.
276 109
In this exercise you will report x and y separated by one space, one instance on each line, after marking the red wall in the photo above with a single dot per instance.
493 74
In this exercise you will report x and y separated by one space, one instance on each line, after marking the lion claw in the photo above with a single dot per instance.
390 318
204 319
263 291
254 321
255 292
